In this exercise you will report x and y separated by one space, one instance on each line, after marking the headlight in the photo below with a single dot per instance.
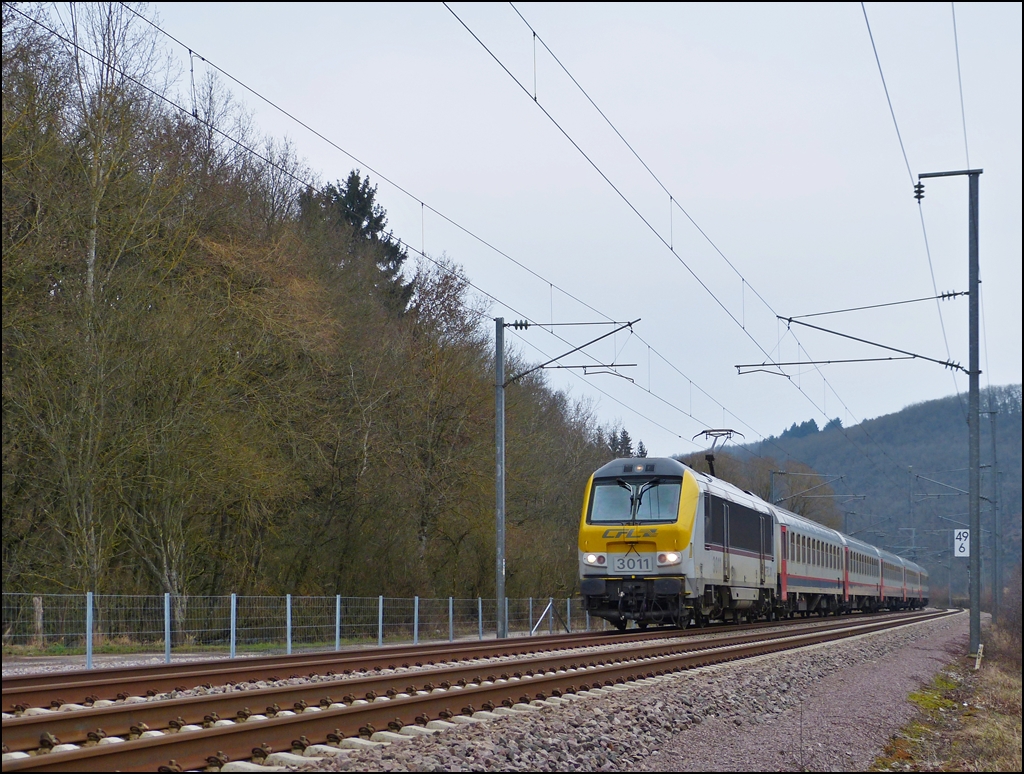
669 558
596 560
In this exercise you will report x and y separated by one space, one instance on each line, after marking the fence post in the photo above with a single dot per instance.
568 615
37 609
480 615
451 620
531 616
551 615
380 621
416 620
167 627
288 622
337 622
234 622
88 630
506 616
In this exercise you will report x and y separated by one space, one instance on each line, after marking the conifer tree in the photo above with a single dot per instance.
352 205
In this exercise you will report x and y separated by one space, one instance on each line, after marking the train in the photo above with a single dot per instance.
661 543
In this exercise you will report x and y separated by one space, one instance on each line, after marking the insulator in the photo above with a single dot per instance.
919 191
520 325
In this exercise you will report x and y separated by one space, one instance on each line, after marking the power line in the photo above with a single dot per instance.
440 214
609 181
960 83
495 249
967 154
440 265
920 210
941 296
672 201
653 230
888 99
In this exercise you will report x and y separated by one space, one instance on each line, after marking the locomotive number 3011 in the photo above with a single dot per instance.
633 563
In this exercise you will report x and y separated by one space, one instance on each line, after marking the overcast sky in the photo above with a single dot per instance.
768 124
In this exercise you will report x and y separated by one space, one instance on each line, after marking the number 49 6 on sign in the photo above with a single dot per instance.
962 543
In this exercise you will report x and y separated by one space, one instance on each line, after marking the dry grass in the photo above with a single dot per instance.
990 736
968 720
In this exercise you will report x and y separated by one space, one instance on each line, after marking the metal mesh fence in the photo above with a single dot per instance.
44 621
261 621
359 620
313 621
126 620
60 623
200 623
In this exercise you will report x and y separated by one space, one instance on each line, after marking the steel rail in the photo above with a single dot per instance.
190 749
30 689
297 660
23 733
79 688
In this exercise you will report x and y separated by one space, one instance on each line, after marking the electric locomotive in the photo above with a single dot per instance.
662 543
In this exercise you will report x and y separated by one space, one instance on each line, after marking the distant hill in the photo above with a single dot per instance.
896 461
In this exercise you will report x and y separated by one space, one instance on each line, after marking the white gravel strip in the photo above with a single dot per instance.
826 708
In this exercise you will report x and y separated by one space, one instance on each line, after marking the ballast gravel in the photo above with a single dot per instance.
826 708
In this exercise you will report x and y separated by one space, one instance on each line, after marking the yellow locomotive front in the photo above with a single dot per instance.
635 542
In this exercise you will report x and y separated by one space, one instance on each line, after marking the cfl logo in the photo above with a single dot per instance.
616 534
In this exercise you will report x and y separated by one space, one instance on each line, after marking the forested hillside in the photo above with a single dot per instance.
911 469
220 375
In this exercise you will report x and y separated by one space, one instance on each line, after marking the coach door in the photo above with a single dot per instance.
846 573
763 548
725 543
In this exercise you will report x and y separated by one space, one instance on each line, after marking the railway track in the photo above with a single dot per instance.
87 687
364 708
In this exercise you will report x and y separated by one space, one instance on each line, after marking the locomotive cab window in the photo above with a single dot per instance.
646 500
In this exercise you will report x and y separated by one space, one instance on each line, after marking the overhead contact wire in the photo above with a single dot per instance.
924 231
651 227
412 196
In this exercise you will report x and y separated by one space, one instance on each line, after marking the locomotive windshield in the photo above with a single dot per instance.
616 500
